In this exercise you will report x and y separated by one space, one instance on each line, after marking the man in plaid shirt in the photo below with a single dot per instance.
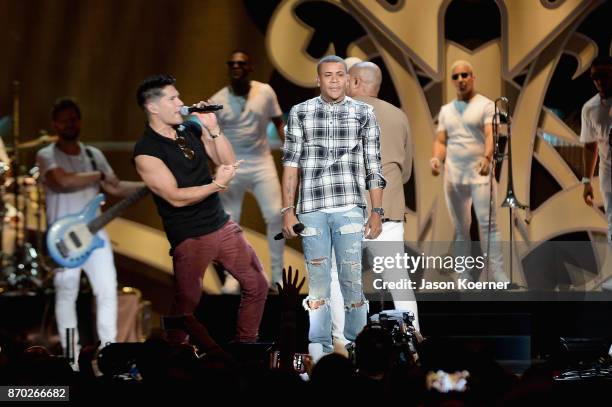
332 141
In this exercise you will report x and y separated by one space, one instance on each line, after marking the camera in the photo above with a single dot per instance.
399 324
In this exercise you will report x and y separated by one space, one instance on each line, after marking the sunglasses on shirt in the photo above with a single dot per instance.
240 64
182 143
463 75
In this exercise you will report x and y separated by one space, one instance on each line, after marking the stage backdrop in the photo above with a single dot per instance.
535 52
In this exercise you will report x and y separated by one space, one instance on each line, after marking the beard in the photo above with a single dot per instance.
69 135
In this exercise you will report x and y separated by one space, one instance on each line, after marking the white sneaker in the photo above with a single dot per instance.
607 285
231 286
607 263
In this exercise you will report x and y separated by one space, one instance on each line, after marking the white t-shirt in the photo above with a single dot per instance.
465 143
340 209
596 124
244 121
60 204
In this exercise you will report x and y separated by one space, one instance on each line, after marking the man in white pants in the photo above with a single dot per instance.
72 174
365 79
248 108
464 143
595 134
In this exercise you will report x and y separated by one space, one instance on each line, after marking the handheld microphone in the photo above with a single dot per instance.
297 228
185 110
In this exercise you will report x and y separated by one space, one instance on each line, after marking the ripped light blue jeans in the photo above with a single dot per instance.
344 232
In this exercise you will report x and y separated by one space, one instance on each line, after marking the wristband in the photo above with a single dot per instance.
284 210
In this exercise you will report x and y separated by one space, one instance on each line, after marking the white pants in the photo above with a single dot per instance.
459 198
391 232
607 201
259 177
100 270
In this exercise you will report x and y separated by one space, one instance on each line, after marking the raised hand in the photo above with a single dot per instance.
290 289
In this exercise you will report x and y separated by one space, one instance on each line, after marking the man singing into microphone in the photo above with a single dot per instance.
328 142
171 157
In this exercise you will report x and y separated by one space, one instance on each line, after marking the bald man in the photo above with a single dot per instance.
464 146
365 79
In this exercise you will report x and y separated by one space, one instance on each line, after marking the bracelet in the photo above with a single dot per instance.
220 186
435 160
282 212
586 180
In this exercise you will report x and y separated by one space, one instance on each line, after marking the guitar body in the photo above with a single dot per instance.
69 240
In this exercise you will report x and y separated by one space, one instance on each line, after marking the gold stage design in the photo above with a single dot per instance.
409 37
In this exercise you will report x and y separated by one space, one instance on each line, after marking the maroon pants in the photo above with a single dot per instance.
229 247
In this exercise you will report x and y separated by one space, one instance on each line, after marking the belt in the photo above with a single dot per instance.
385 220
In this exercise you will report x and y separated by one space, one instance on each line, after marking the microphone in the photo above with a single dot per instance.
204 109
297 228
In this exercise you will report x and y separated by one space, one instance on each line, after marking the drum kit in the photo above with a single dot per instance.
23 269
22 211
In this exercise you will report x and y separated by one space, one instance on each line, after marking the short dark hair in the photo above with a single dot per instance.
374 349
602 60
241 51
330 58
64 103
152 87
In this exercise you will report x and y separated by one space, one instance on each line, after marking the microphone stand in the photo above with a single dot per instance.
502 116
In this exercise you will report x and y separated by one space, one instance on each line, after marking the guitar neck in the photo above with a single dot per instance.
101 221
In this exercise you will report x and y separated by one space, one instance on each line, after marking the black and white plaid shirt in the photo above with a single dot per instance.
337 149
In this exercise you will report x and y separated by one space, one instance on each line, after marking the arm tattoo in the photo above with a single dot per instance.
290 188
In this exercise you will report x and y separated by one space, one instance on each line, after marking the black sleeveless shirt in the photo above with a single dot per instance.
194 220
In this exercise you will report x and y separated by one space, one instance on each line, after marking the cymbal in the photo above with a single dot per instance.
44 139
